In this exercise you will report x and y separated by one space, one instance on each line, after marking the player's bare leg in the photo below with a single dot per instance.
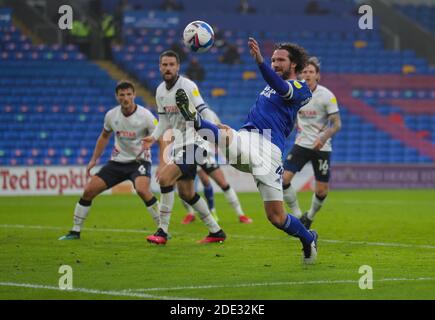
190 216
208 190
142 186
187 192
290 193
93 188
167 179
229 193
292 226
317 200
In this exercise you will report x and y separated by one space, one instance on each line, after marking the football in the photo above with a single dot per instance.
198 36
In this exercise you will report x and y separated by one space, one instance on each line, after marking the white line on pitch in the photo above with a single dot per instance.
384 202
247 237
267 284
122 293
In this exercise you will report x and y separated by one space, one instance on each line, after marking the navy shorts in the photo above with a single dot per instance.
299 156
187 158
116 172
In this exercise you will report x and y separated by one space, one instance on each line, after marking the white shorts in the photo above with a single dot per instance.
251 152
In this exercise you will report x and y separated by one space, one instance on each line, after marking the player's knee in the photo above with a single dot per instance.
287 177
186 195
89 193
322 191
165 180
276 218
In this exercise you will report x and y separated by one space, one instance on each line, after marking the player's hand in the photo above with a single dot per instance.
227 132
254 50
91 164
318 144
147 142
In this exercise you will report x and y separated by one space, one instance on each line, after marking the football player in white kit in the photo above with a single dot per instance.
212 169
130 123
189 150
318 121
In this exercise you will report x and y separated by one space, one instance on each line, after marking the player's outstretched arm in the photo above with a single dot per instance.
254 50
100 145
281 86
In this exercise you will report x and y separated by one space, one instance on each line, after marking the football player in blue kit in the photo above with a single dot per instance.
257 147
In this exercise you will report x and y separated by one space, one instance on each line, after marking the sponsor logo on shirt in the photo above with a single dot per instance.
307 113
267 92
126 134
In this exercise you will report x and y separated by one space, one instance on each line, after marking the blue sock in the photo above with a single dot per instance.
209 195
296 229
204 124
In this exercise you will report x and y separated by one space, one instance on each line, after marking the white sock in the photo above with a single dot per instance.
204 213
316 204
166 205
232 198
188 207
292 201
80 214
154 210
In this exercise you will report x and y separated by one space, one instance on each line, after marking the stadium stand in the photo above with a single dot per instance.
422 15
59 97
357 58
52 102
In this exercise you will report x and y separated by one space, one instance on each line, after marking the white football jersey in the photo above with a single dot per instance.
128 132
210 115
313 118
184 133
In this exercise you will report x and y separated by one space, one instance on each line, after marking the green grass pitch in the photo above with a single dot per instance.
390 231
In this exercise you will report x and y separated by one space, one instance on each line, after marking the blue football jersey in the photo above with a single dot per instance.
272 111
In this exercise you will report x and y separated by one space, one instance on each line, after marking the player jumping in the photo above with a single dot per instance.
257 147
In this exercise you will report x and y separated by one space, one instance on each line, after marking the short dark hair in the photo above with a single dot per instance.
296 54
170 53
315 63
123 85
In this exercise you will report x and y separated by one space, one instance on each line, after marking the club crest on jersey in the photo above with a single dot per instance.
267 92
